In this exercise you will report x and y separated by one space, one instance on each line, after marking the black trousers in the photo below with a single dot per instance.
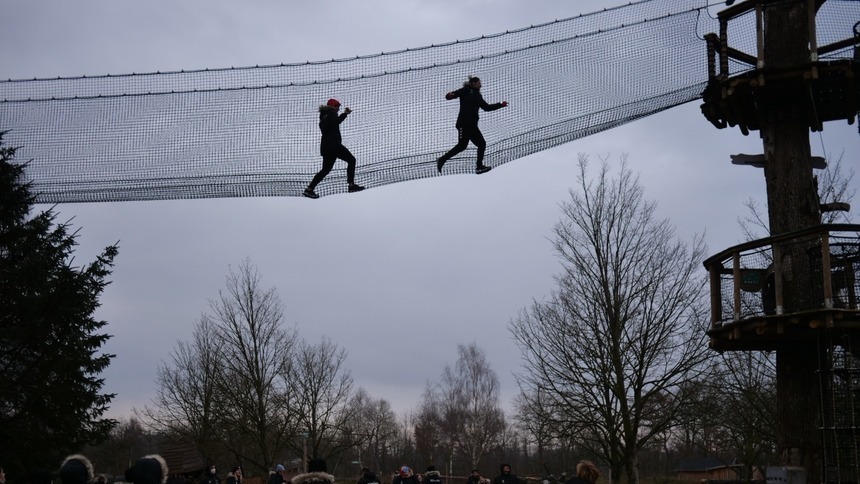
328 163
466 134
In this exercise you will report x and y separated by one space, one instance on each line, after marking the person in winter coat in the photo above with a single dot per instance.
76 469
332 148
368 477
235 476
211 476
405 476
317 474
474 478
505 477
151 469
277 477
586 473
467 122
432 476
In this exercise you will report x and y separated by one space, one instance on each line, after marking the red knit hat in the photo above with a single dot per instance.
333 103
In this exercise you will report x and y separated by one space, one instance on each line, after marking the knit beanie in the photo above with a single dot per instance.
333 103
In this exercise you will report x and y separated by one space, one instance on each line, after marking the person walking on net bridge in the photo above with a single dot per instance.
467 122
332 148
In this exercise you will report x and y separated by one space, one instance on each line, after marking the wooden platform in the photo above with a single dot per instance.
823 91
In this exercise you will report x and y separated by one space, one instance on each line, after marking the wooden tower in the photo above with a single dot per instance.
795 292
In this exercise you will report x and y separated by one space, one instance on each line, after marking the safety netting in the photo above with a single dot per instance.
253 131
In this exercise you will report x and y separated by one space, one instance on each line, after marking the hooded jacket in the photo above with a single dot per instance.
432 477
76 469
330 121
470 101
313 478
150 469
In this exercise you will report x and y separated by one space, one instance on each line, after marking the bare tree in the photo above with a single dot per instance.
834 185
184 402
470 411
625 326
126 442
748 404
254 351
377 422
321 397
431 442
228 387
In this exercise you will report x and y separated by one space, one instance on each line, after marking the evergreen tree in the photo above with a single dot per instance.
51 403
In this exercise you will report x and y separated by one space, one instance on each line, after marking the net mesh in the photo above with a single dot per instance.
253 131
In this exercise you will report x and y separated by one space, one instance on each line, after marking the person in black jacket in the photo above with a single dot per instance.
210 477
277 477
505 477
474 478
332 148
467 122
368 477
432 476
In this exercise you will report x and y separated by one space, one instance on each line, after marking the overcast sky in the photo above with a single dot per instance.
398 275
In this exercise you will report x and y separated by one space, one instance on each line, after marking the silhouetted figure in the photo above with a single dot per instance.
277 477
235 476
317 474
505 477
210 477
151 469
332 148
586 473
405 476
368 477
467 123
432 476
76 469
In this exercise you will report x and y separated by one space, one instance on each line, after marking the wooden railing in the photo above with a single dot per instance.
807 270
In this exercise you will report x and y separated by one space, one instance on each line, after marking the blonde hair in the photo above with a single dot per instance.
586 469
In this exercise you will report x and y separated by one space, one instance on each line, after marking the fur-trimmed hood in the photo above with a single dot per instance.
313 478
151 469
432 473
76 469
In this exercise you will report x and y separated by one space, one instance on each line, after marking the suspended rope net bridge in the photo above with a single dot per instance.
252 131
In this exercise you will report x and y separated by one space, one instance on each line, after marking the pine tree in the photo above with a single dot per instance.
50 361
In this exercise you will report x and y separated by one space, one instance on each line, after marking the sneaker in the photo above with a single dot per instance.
310 193
482 169
439 164
354 188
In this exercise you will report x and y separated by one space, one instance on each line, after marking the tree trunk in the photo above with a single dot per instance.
792 205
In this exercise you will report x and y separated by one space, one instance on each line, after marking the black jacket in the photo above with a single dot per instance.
432 477
470 101
368 478
405 480
577 480
330 128
508 478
